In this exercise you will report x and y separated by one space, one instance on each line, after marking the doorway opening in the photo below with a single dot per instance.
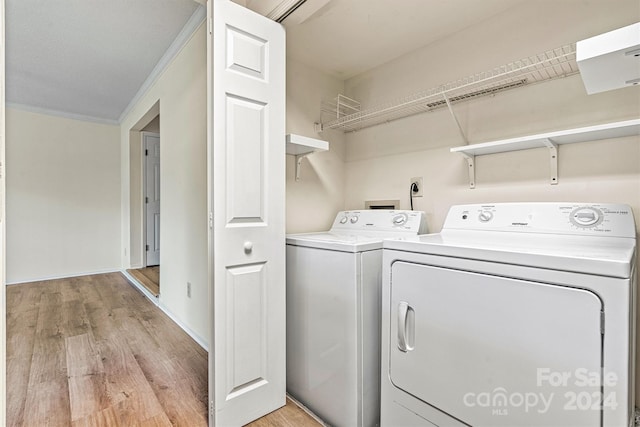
144 193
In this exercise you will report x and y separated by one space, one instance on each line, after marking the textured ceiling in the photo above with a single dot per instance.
348 37
87 57
90 57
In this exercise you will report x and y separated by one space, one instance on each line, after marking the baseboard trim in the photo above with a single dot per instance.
140 287
197 338
156 301
307 410
63 276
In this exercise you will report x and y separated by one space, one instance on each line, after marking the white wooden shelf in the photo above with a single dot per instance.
551 140
301 146
298 145
589 133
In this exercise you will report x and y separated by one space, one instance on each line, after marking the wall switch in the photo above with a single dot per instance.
418 182
189 289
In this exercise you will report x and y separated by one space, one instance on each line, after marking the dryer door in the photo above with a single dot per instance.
495 351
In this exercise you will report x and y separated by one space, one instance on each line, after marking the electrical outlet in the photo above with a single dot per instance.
189 289
418 182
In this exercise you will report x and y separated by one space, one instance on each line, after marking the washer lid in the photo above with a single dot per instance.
605 256
339 242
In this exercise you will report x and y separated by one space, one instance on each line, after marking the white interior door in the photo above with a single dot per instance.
151 144
246 199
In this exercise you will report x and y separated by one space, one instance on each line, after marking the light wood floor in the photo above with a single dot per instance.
93 351
149 277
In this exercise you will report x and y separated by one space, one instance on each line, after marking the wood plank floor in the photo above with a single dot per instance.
290 415
93 351
149 277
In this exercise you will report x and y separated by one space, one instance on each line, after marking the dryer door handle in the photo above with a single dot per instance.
406 327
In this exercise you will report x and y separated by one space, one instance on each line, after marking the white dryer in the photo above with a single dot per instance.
333 314
514 315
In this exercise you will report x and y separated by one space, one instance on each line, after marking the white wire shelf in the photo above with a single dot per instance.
349 116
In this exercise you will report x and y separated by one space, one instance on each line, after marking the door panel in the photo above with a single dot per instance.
246 53
245 160
152 197
246 202
246 345
478 346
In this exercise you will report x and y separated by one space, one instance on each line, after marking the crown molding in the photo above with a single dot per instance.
189 29
59 113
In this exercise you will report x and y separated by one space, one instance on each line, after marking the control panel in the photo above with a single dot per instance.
597 219
380 220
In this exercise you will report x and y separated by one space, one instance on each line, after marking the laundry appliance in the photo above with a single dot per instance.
513 315
333 314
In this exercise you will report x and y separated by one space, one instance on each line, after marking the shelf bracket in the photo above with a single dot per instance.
553 160
299 158
471 162
301 146
455 118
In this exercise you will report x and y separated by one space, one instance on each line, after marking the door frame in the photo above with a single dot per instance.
143 134
3 227
135 258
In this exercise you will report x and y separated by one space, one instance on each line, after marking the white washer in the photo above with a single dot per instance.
514 315
333 314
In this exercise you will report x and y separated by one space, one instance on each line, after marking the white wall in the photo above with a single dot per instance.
181 91
312 202
63 197
381 160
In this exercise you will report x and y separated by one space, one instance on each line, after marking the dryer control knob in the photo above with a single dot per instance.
400 219
354 219
344 220
485 216
586 217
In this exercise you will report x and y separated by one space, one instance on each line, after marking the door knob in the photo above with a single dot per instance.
248 247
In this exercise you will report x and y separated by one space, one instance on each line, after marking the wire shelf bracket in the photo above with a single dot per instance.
455 118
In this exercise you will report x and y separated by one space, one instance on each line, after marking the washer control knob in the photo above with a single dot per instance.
354 219
400 219
344 220
485 216
586 217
